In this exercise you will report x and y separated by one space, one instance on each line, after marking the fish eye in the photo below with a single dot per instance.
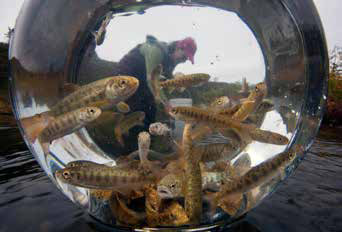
66 174
72 165
172 185
122 82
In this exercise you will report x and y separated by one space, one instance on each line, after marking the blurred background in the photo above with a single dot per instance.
310 200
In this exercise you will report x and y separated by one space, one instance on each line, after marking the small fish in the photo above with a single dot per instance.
197 115
193 180
159 128
100 34
128 122
222 102
144 143
185 81
118 179
256 175
172 185
110 90
67 124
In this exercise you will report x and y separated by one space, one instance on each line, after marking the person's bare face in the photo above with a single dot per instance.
179 56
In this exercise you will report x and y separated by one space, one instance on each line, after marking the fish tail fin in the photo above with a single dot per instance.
34 125
118 135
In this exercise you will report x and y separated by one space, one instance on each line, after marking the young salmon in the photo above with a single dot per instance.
257 175
172 185
197 115
185 81
144 143
222 102
111 89
102 177
193 180
128 122
68 123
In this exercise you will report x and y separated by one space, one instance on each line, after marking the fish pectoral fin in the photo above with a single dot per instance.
118 135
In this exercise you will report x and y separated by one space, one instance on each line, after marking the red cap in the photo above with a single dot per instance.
189 47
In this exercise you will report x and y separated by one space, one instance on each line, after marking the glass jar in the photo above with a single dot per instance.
213 148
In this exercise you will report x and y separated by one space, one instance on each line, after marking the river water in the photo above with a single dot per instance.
310 200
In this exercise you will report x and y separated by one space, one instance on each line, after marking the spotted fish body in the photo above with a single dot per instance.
103 177
68 123
257 175
186 81
193 180
110 90
197 115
